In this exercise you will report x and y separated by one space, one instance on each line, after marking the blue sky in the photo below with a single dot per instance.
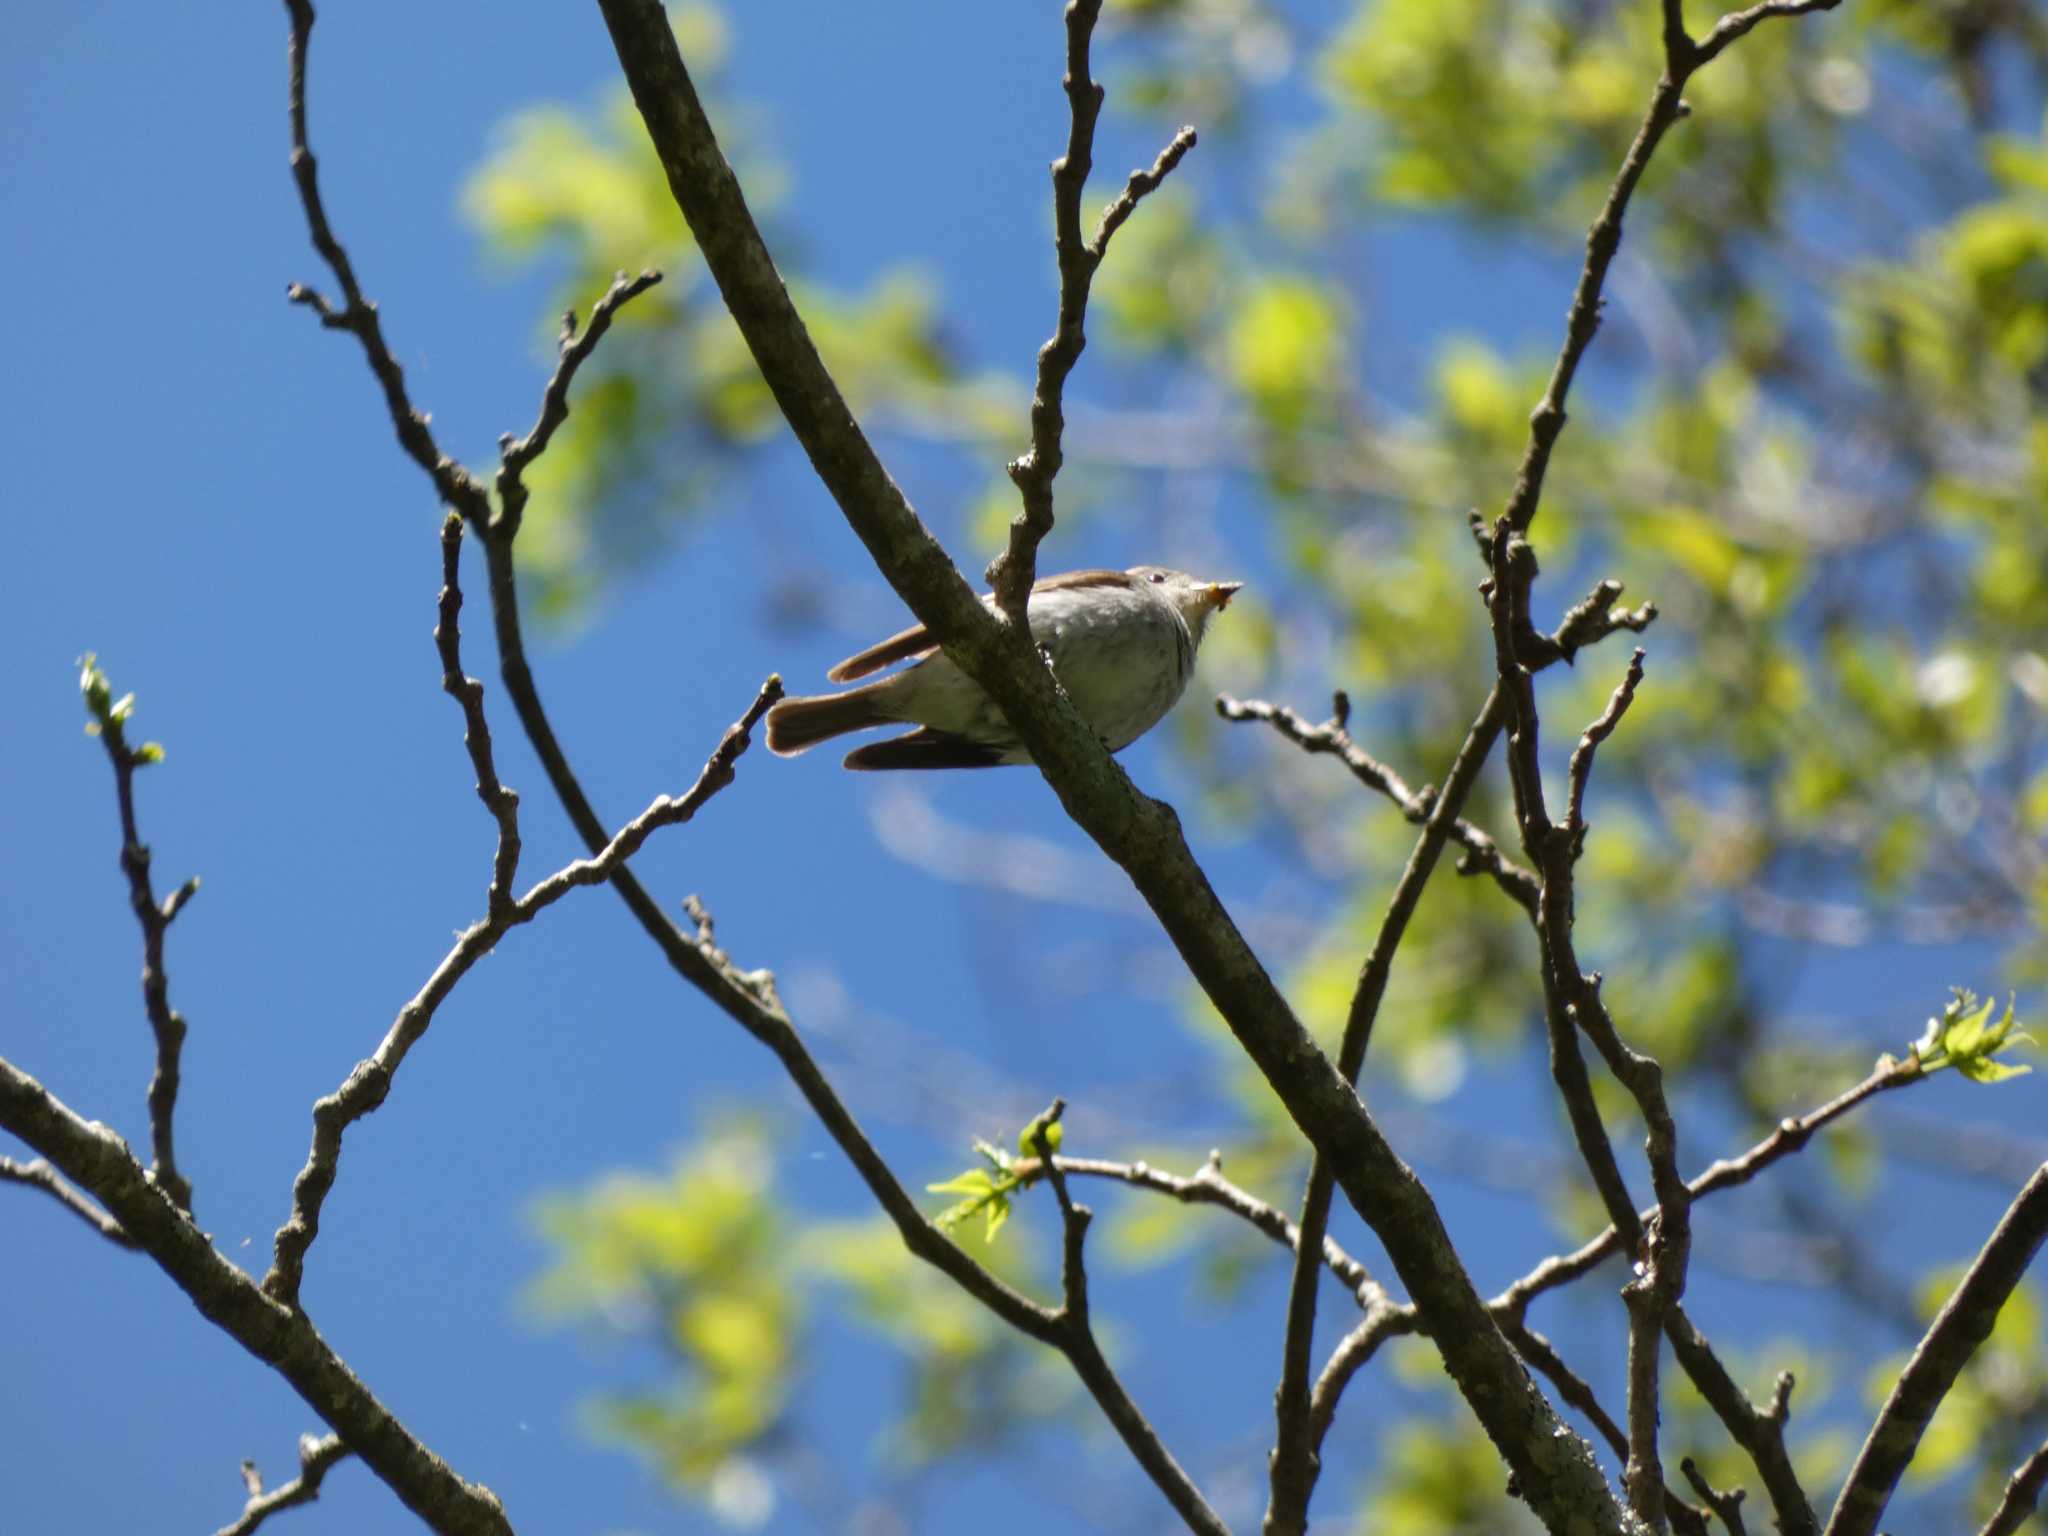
202 489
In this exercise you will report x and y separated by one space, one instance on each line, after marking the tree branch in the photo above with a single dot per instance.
316 1457
747 997
280 1336
368 1085
572 352
2022 1493
1332 737
1012 573
110 723
1294 1463
1076 1340
1553 1467
456 487
37 1173
1209 1187
1963 1323
501 802
1789 1137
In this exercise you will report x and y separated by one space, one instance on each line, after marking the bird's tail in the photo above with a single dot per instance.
796 725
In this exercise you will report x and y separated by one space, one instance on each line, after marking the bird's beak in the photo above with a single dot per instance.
1221 592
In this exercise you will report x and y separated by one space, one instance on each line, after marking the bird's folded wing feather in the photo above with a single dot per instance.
917 640
914 641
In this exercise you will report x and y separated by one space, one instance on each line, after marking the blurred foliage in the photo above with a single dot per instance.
711 1273
1814 430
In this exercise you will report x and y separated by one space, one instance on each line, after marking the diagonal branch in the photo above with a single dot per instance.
573 352
1963 1323
2022 1493
370 1083
455 485
279 1336
1333 737
1790 1136
37 1173
1554 1468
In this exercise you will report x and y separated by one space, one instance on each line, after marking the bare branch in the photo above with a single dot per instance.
1482 853
1295 1464
455 485
369 1084
278 1336
575 350
1789 1137
1209 1187
1012 573
1759 1431
316 1456
1737 23
1554 1468
501 802
1581 770
110 723
37 1173
2022 1493
1141 185
1383 1321
1964 1322
1076 1340
1727 1507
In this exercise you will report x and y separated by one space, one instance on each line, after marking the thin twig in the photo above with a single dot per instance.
1332 737
1736 23
1141 185
1383 1321
574 350
369 1084
500 801
1964 1322
166 1024
1790 1136
316 1456
37 1173
456 486
1759 1431
1012 573
1727 1507
1210 1187
2022 1493
1076 1340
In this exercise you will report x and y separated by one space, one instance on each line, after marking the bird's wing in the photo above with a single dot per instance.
917 640
1068 580
914 641
925 748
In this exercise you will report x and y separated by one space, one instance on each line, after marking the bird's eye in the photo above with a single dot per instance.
1157 577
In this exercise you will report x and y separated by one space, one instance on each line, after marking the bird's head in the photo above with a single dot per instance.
1195 598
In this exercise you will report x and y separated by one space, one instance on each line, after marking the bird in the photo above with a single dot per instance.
1122 644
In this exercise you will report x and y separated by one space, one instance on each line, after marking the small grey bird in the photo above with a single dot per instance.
1122 644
